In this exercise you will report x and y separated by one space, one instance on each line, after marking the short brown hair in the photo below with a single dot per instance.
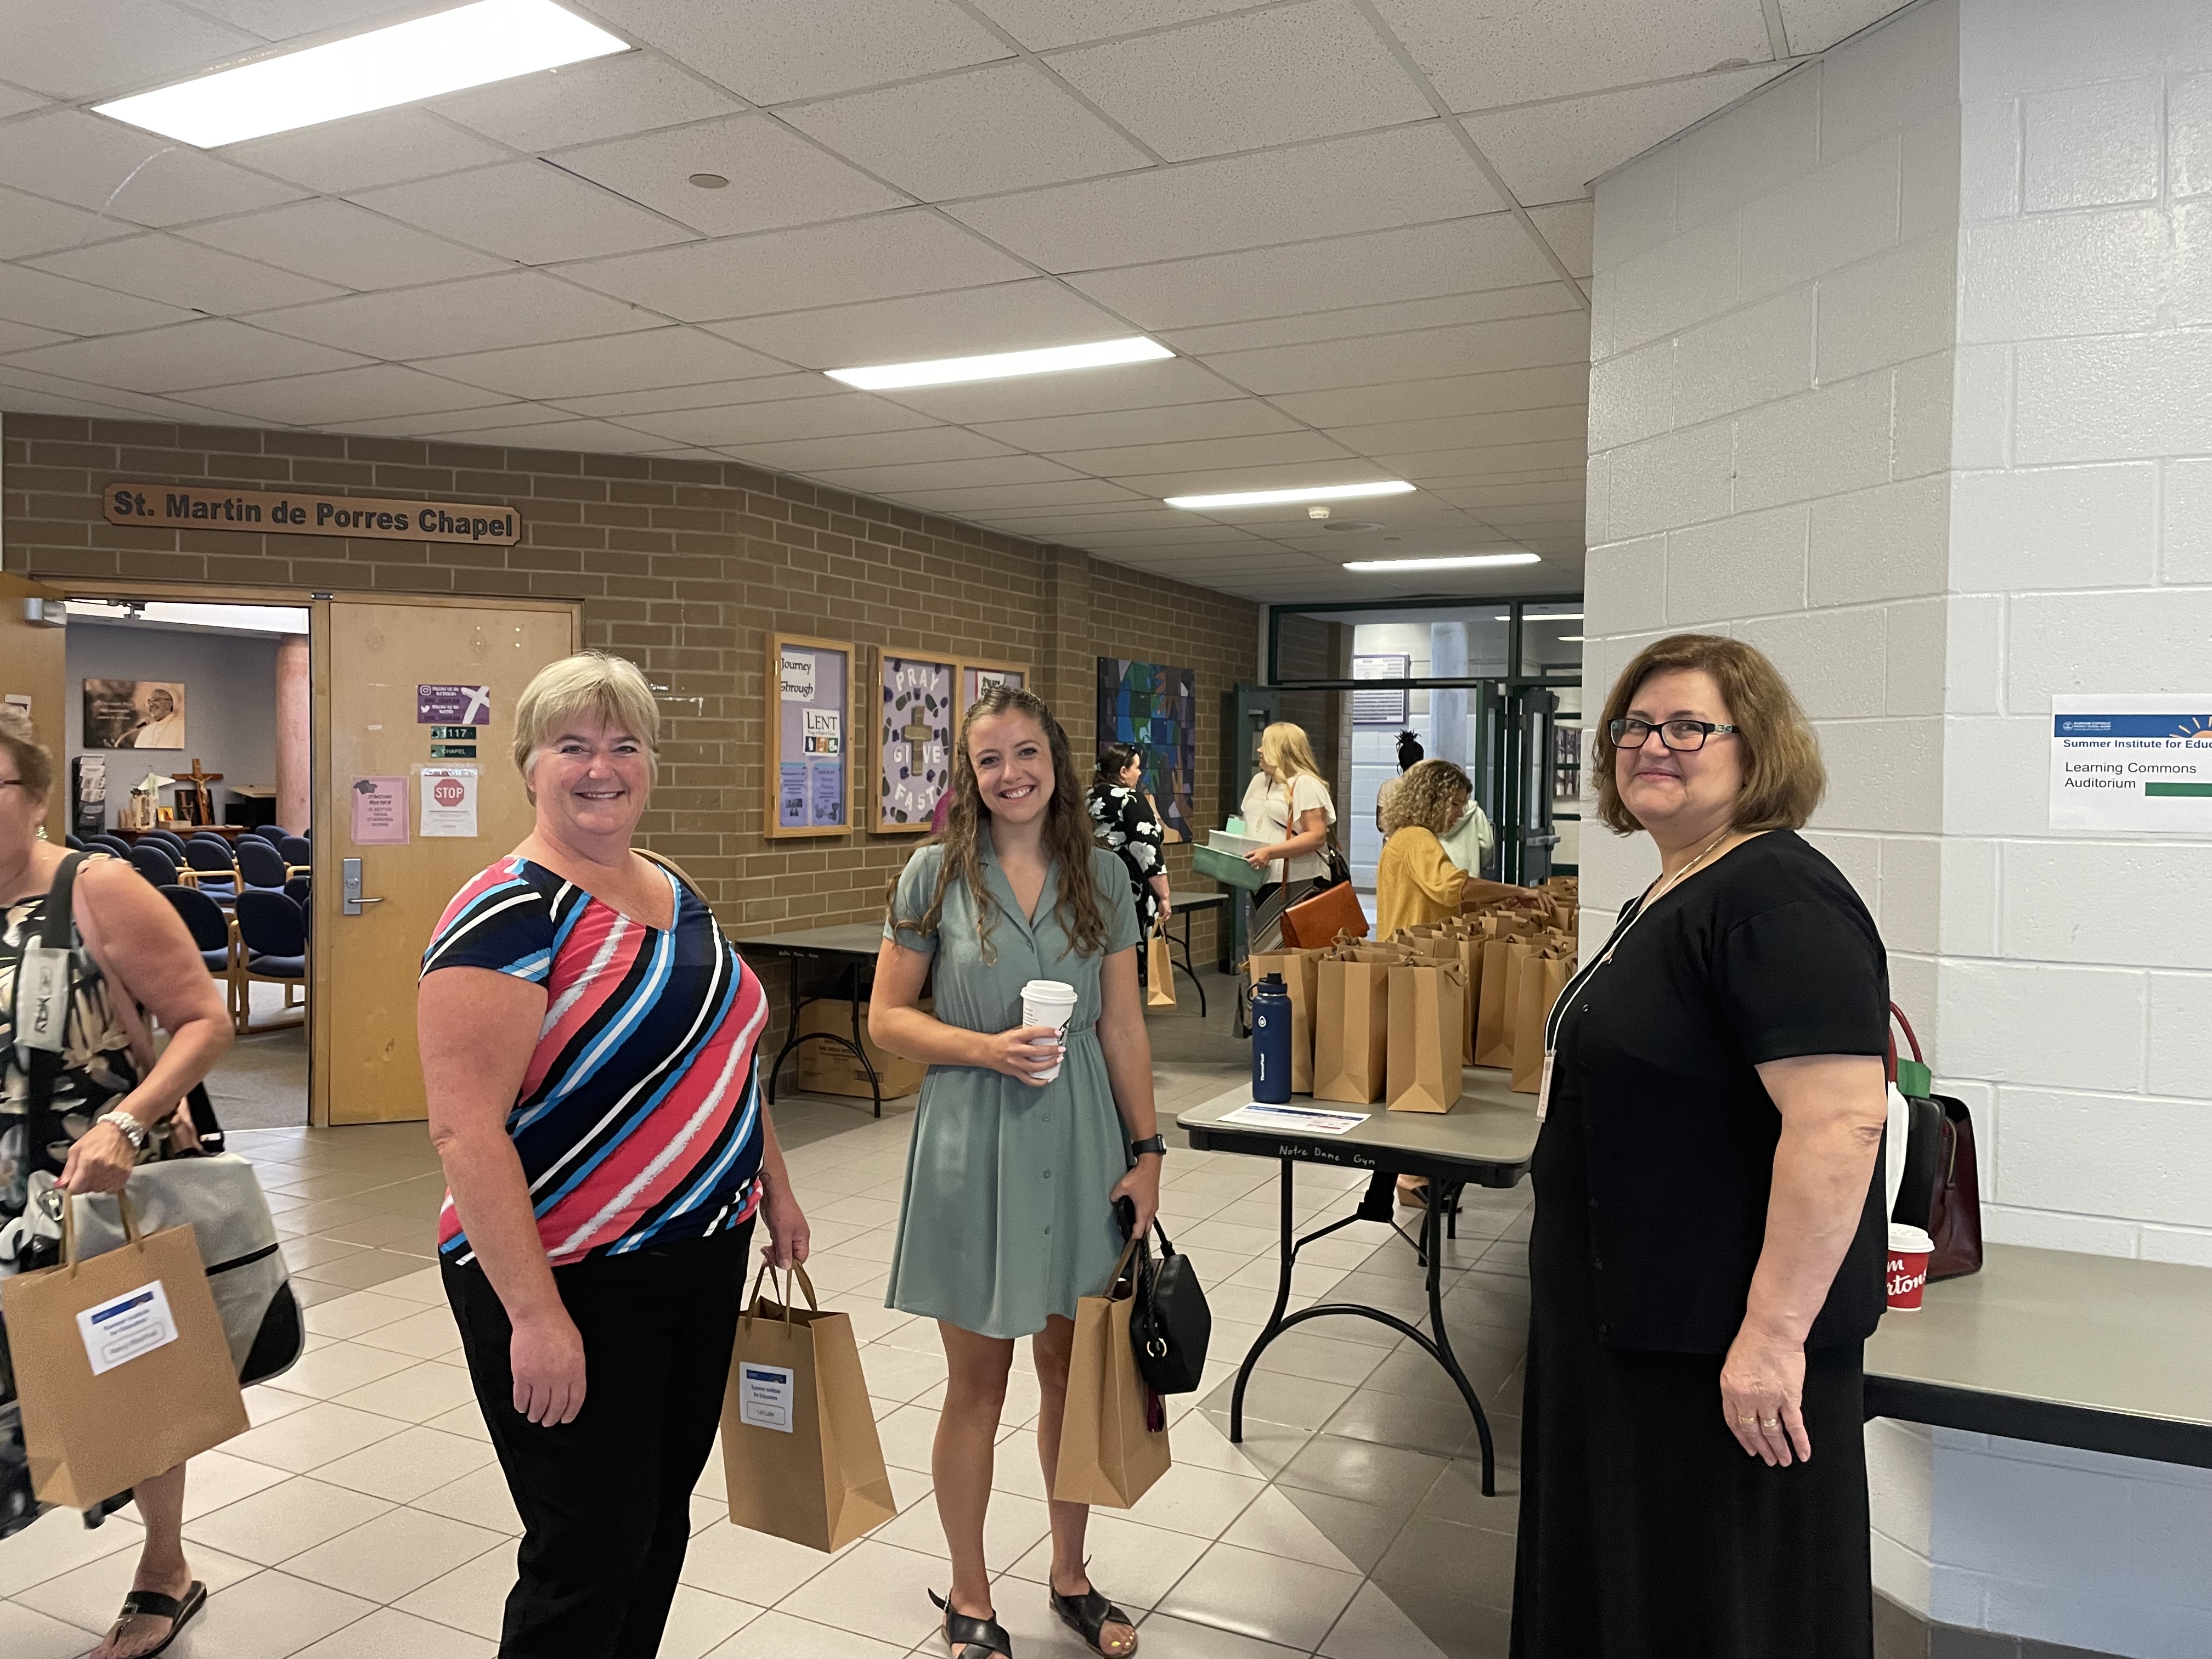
34 762
1782 777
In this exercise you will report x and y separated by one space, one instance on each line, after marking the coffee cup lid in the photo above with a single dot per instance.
1049 990
1906 1239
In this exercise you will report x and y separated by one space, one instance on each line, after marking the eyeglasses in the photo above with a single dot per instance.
1683 736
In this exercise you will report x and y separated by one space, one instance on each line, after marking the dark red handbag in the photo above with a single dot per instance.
1942 1188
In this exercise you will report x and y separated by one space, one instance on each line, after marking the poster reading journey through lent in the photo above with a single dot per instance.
812 680
2132 762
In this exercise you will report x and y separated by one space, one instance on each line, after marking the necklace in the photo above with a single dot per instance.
1666 885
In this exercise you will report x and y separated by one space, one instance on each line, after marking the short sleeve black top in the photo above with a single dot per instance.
1768 954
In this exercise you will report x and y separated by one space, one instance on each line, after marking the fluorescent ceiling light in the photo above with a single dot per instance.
1570 638
1003 365
1541 616
1457 562
1271 498
468 46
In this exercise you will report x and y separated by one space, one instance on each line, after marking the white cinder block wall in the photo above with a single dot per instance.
1895 373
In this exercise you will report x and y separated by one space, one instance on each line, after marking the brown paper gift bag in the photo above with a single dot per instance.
122 1369
1159 968
1352 1024
1428 1000
1493 1030
1543 976
1470 948
799 1437
1109 1452
1301 972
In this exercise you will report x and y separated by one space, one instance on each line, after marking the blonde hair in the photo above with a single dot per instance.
34 761
1430 796
608 686
1286 753
1782 777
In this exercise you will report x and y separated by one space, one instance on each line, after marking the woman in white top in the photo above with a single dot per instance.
1286 802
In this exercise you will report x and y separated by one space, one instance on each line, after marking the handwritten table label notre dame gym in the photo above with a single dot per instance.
304 513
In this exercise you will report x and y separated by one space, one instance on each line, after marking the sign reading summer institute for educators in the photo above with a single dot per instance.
2132 762
306 513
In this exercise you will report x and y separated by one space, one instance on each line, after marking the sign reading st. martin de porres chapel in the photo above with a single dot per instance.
306 513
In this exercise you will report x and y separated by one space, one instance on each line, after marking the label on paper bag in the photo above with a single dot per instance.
763 1396
121 1328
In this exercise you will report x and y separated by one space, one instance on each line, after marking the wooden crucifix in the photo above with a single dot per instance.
202 803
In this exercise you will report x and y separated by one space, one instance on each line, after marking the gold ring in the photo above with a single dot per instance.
1747 1421
1769 1422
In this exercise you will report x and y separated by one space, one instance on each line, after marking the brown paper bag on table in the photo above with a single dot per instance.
1428 1000
122 1369
1352 1024
1300 971
799 1450
1493 1030
1471 949
1109 1453
1159 968
1543 976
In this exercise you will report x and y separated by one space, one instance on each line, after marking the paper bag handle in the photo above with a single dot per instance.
790 1311
68 1224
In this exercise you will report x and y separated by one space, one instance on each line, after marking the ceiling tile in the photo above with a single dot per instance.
1520 343
1550 152
348 394
910 251
1042 24
619 362
439 422
1423 261
784 418
1408 175
1478 57
775 177
14 100
1262 77
529 211
1356 321
21 336
1205 481
1033 397
1510 426
480 313
584 103
30 224
922 443
364 152
769 50
90 46
1811 25
283 19
1567 227
1130 460
993 471
768 389
1482 498
156 266
1077 492
1239 419
103 165
213 351
924 137
593 437
45 300
1459 394
344 243
1478 462
919 328
25 392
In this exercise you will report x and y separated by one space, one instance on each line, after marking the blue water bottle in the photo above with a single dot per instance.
1271 1040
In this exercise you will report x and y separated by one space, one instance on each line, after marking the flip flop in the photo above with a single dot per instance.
152 1604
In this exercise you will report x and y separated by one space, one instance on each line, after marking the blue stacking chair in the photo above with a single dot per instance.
300 891
297 852
169 840
113 845
154 862
215 872
260 866
76 843
214 935
272 945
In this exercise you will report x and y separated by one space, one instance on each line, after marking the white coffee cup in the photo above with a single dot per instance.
1049 1002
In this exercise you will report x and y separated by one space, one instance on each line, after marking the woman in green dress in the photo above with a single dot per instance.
1012 1177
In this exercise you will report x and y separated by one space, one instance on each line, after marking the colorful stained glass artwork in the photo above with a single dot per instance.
1155 707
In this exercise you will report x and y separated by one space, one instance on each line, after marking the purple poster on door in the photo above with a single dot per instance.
452 705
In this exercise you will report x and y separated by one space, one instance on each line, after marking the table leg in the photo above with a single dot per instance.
1185 964
853 996
791 1038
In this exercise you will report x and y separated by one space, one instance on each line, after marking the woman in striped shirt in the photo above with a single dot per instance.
588 1041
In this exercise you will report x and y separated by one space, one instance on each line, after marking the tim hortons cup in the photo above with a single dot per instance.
1049 1002
1907 1266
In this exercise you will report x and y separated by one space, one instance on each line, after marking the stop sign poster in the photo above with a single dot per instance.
449 800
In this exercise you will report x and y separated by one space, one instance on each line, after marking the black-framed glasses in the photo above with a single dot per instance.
1683 736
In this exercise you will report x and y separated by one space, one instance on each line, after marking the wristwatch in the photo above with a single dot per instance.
1158 1143
133 1130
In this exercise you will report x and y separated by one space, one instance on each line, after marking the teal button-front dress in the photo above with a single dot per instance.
1007 1218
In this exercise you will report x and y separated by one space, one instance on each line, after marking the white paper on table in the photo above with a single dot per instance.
1302 1119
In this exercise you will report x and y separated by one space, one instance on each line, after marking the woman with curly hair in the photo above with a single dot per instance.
1416 881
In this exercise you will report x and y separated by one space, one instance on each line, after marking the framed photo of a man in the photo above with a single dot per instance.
134 714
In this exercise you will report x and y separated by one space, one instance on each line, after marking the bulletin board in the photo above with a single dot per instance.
1156 708
915 723
809 686
974 676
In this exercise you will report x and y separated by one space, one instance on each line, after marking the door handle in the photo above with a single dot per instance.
354 901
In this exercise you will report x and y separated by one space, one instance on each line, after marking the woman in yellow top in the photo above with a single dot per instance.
1416 881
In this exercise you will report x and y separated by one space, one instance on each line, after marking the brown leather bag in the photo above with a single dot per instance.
1941 1178
1315 922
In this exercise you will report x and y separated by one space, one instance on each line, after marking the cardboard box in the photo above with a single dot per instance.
829 1068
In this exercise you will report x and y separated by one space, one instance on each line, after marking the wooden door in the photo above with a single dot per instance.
34 664
371 659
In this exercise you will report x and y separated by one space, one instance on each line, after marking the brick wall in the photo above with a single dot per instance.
683 567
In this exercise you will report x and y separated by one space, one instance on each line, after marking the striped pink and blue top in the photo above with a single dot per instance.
639 1120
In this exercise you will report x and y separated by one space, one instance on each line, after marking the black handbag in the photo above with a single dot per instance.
1169 1323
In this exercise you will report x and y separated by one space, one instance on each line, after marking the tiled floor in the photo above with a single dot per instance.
362 1517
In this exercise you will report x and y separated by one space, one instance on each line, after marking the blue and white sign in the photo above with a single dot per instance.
2140 763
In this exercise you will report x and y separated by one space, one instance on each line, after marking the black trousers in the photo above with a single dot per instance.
605 1500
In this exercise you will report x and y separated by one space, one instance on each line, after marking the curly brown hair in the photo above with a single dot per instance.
1067 833
1431 795
1782 777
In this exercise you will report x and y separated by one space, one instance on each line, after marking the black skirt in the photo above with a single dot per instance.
1646 1531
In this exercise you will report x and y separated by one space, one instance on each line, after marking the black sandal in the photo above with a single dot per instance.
1088 1614
972 1638
152 1604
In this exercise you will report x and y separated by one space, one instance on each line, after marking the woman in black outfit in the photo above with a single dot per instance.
1124 820
1707 1254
